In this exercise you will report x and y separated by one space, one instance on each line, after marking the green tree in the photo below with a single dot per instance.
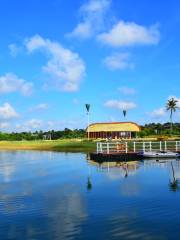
171 106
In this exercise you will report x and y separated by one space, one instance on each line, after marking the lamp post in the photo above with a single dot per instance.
88 109
124 113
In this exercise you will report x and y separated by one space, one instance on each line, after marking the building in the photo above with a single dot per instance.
114 130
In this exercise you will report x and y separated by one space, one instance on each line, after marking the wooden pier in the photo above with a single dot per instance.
128 151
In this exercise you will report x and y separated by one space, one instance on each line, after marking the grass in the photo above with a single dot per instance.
65 145
70 145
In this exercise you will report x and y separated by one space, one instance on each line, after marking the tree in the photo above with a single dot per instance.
171 106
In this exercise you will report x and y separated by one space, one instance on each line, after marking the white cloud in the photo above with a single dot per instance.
121 105
4 125
65 67
158 113
119 61
30 125
92 18
41 106
7 112
14 50
34 124
11 83
83 30
50 124
127 90
129 34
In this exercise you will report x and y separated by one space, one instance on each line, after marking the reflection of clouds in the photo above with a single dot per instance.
43 189
115 174
66 213
130 189
6 168
6 171
127 226
12 197
13 163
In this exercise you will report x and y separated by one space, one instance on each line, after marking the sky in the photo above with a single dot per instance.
58 55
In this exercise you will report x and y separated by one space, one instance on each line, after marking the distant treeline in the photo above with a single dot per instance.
159 129
146 130
40 135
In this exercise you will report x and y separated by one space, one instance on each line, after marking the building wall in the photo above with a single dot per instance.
113 135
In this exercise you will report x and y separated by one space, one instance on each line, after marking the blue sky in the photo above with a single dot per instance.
57 55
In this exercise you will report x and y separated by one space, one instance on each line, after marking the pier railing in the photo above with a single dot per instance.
125 147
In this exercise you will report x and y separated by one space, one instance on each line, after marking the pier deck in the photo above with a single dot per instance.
128 151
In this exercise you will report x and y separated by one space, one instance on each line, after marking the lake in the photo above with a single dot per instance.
51 195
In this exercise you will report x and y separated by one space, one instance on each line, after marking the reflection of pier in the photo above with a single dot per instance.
120 169
124 168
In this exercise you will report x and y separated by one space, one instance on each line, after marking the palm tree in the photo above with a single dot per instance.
171 106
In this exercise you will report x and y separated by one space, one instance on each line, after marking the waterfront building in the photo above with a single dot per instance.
113 130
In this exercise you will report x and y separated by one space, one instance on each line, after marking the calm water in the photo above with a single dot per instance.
47 195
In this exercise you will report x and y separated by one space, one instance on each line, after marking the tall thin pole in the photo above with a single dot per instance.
88 124
88 109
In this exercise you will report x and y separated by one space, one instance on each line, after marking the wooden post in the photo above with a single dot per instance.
144 147
107 148
160 146
97 147
176 147
101 148
126 147
150 146
134 146
88 125
165 146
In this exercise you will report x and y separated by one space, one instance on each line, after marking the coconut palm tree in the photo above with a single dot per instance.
171 106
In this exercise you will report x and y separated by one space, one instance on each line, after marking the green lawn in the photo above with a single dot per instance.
69 145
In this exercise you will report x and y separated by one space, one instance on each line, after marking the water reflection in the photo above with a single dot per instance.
64 196
175 177
116 169
41 197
